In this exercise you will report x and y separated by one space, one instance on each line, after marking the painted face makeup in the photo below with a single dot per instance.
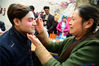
27 24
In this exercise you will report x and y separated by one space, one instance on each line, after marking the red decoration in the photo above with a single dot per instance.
2 11
63 4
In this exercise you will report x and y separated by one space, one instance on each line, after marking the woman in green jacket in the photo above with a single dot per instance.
79 50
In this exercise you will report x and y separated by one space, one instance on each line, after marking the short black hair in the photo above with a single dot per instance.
32 7
46 7
17 11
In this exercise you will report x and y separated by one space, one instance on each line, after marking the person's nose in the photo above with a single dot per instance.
70 22
34 22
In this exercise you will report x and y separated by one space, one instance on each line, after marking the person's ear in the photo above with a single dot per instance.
89 23
16 21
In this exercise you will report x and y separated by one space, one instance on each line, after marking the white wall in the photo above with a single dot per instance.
38 4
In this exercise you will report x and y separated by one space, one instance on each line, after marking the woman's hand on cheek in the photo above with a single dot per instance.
34 39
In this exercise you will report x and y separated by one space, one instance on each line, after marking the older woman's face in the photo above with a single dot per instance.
76 24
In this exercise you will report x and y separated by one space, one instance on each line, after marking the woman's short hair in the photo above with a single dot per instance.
17 11
87 12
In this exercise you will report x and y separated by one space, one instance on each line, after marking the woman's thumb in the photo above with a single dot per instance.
30 37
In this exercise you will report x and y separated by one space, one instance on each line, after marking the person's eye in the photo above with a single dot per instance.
73 19
30 19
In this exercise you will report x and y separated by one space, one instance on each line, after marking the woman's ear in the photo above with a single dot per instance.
89 23
16 21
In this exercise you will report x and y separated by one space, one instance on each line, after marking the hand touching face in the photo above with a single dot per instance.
39 26
34 39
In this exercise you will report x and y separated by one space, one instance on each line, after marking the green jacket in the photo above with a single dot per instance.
83 54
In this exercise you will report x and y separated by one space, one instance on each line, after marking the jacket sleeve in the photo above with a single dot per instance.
66 28
86 55
57 47
58 28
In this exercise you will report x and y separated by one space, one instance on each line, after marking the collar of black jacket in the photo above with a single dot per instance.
18 34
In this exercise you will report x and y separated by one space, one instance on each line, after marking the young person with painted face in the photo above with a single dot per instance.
15 47
80 49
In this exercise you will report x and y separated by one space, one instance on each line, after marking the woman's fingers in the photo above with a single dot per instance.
30 37
34 39
39 26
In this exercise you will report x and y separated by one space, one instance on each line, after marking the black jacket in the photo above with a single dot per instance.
50 22
15 49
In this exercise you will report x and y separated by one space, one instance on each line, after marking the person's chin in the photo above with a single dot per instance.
30 32
71 33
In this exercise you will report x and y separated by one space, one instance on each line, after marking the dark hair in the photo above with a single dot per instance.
46 7
17 11
64 17
32 7
87 12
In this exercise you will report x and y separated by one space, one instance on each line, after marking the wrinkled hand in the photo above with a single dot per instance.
34 40
39 26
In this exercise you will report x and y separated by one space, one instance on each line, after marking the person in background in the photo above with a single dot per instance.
32 8
41 14
15 47
56 18
78 50
63 28
2 27
54 30
48 20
